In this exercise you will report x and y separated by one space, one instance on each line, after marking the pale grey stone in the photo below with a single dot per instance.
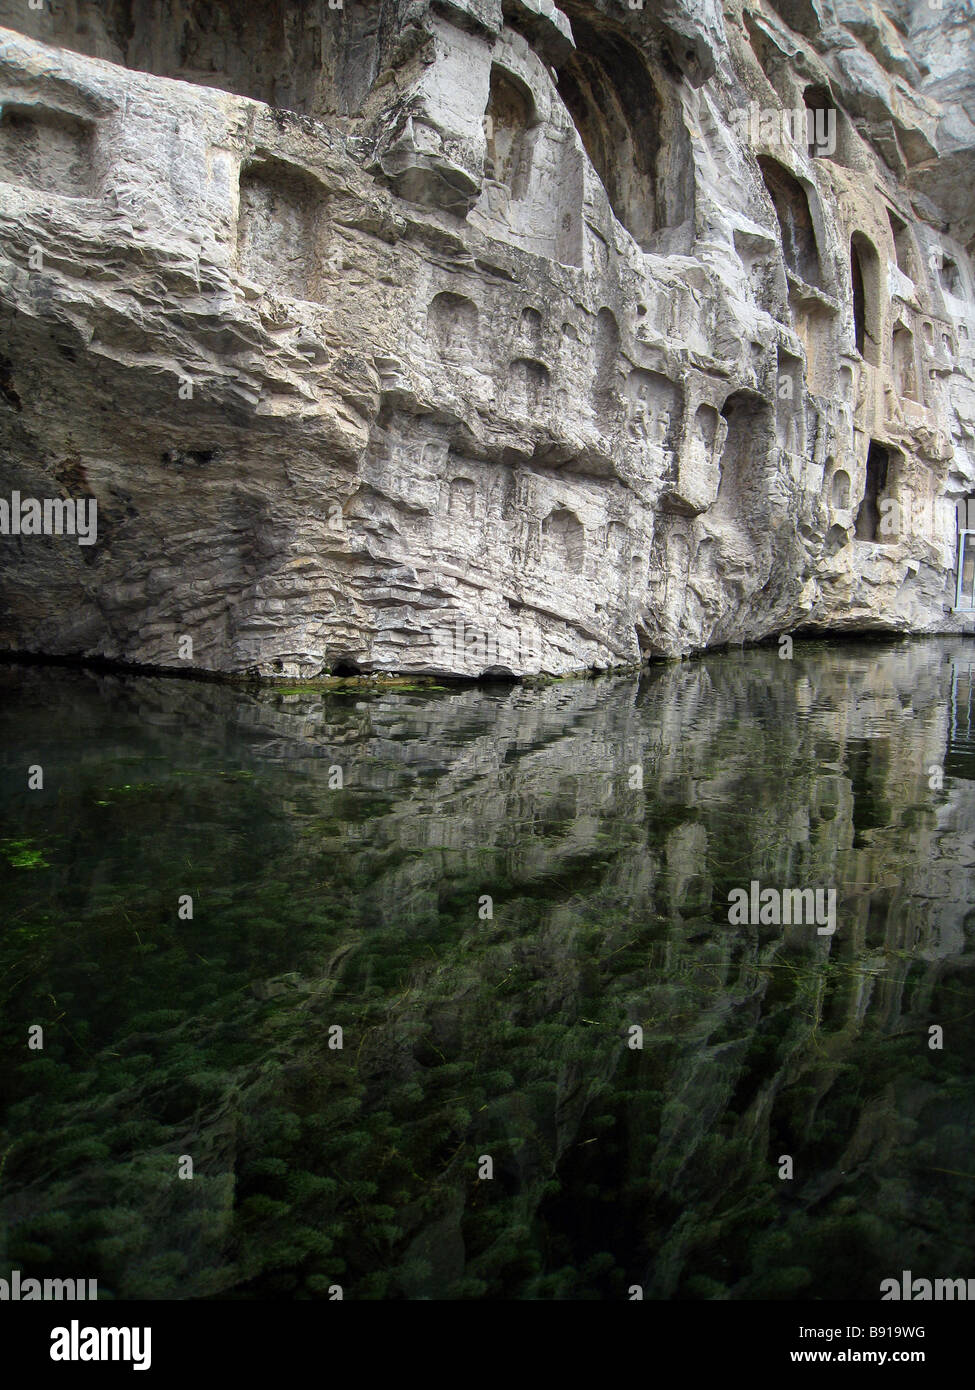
457 337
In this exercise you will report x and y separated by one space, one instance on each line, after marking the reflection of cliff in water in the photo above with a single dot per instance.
505 1036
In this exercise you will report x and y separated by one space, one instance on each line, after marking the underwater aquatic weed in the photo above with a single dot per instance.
20 854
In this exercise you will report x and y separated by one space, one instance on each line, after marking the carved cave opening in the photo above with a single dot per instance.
744 456
791 205
564 537
865 281
827 127
452 325
528 383
610 94
903 245
606 350
950 277
903 363
530 326
840 486
655 408
965 556
510 114
461 498
309 58
532 190
869 514
788 401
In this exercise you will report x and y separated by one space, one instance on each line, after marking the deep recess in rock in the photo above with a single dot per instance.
483 337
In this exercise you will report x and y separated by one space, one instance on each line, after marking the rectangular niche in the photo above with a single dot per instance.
47 151
282 227
743 490
903 363
903 247
789 393
813 322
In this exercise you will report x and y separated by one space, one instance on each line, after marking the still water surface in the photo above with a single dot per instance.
339 850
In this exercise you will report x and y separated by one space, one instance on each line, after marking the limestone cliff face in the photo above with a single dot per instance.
458 335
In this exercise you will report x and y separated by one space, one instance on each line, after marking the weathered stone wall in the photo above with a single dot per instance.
461 335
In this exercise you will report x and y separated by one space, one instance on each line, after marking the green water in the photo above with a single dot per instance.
506 1036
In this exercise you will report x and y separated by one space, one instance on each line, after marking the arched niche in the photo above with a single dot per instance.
788 401
606 356
530 326
564 539
452 324
460 498
745 456
902 362
654 405
791 203
532 191
528 382
508 133
876 489
905 253
640 153
840 490
828 131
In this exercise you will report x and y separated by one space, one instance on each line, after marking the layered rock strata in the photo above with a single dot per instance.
476 335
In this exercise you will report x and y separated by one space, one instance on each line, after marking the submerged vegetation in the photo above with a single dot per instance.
23 854
503 1031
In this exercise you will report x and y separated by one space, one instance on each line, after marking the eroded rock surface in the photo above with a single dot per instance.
465 336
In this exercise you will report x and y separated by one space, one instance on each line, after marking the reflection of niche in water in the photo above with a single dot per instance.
870 811
960 757
878 917
702 730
